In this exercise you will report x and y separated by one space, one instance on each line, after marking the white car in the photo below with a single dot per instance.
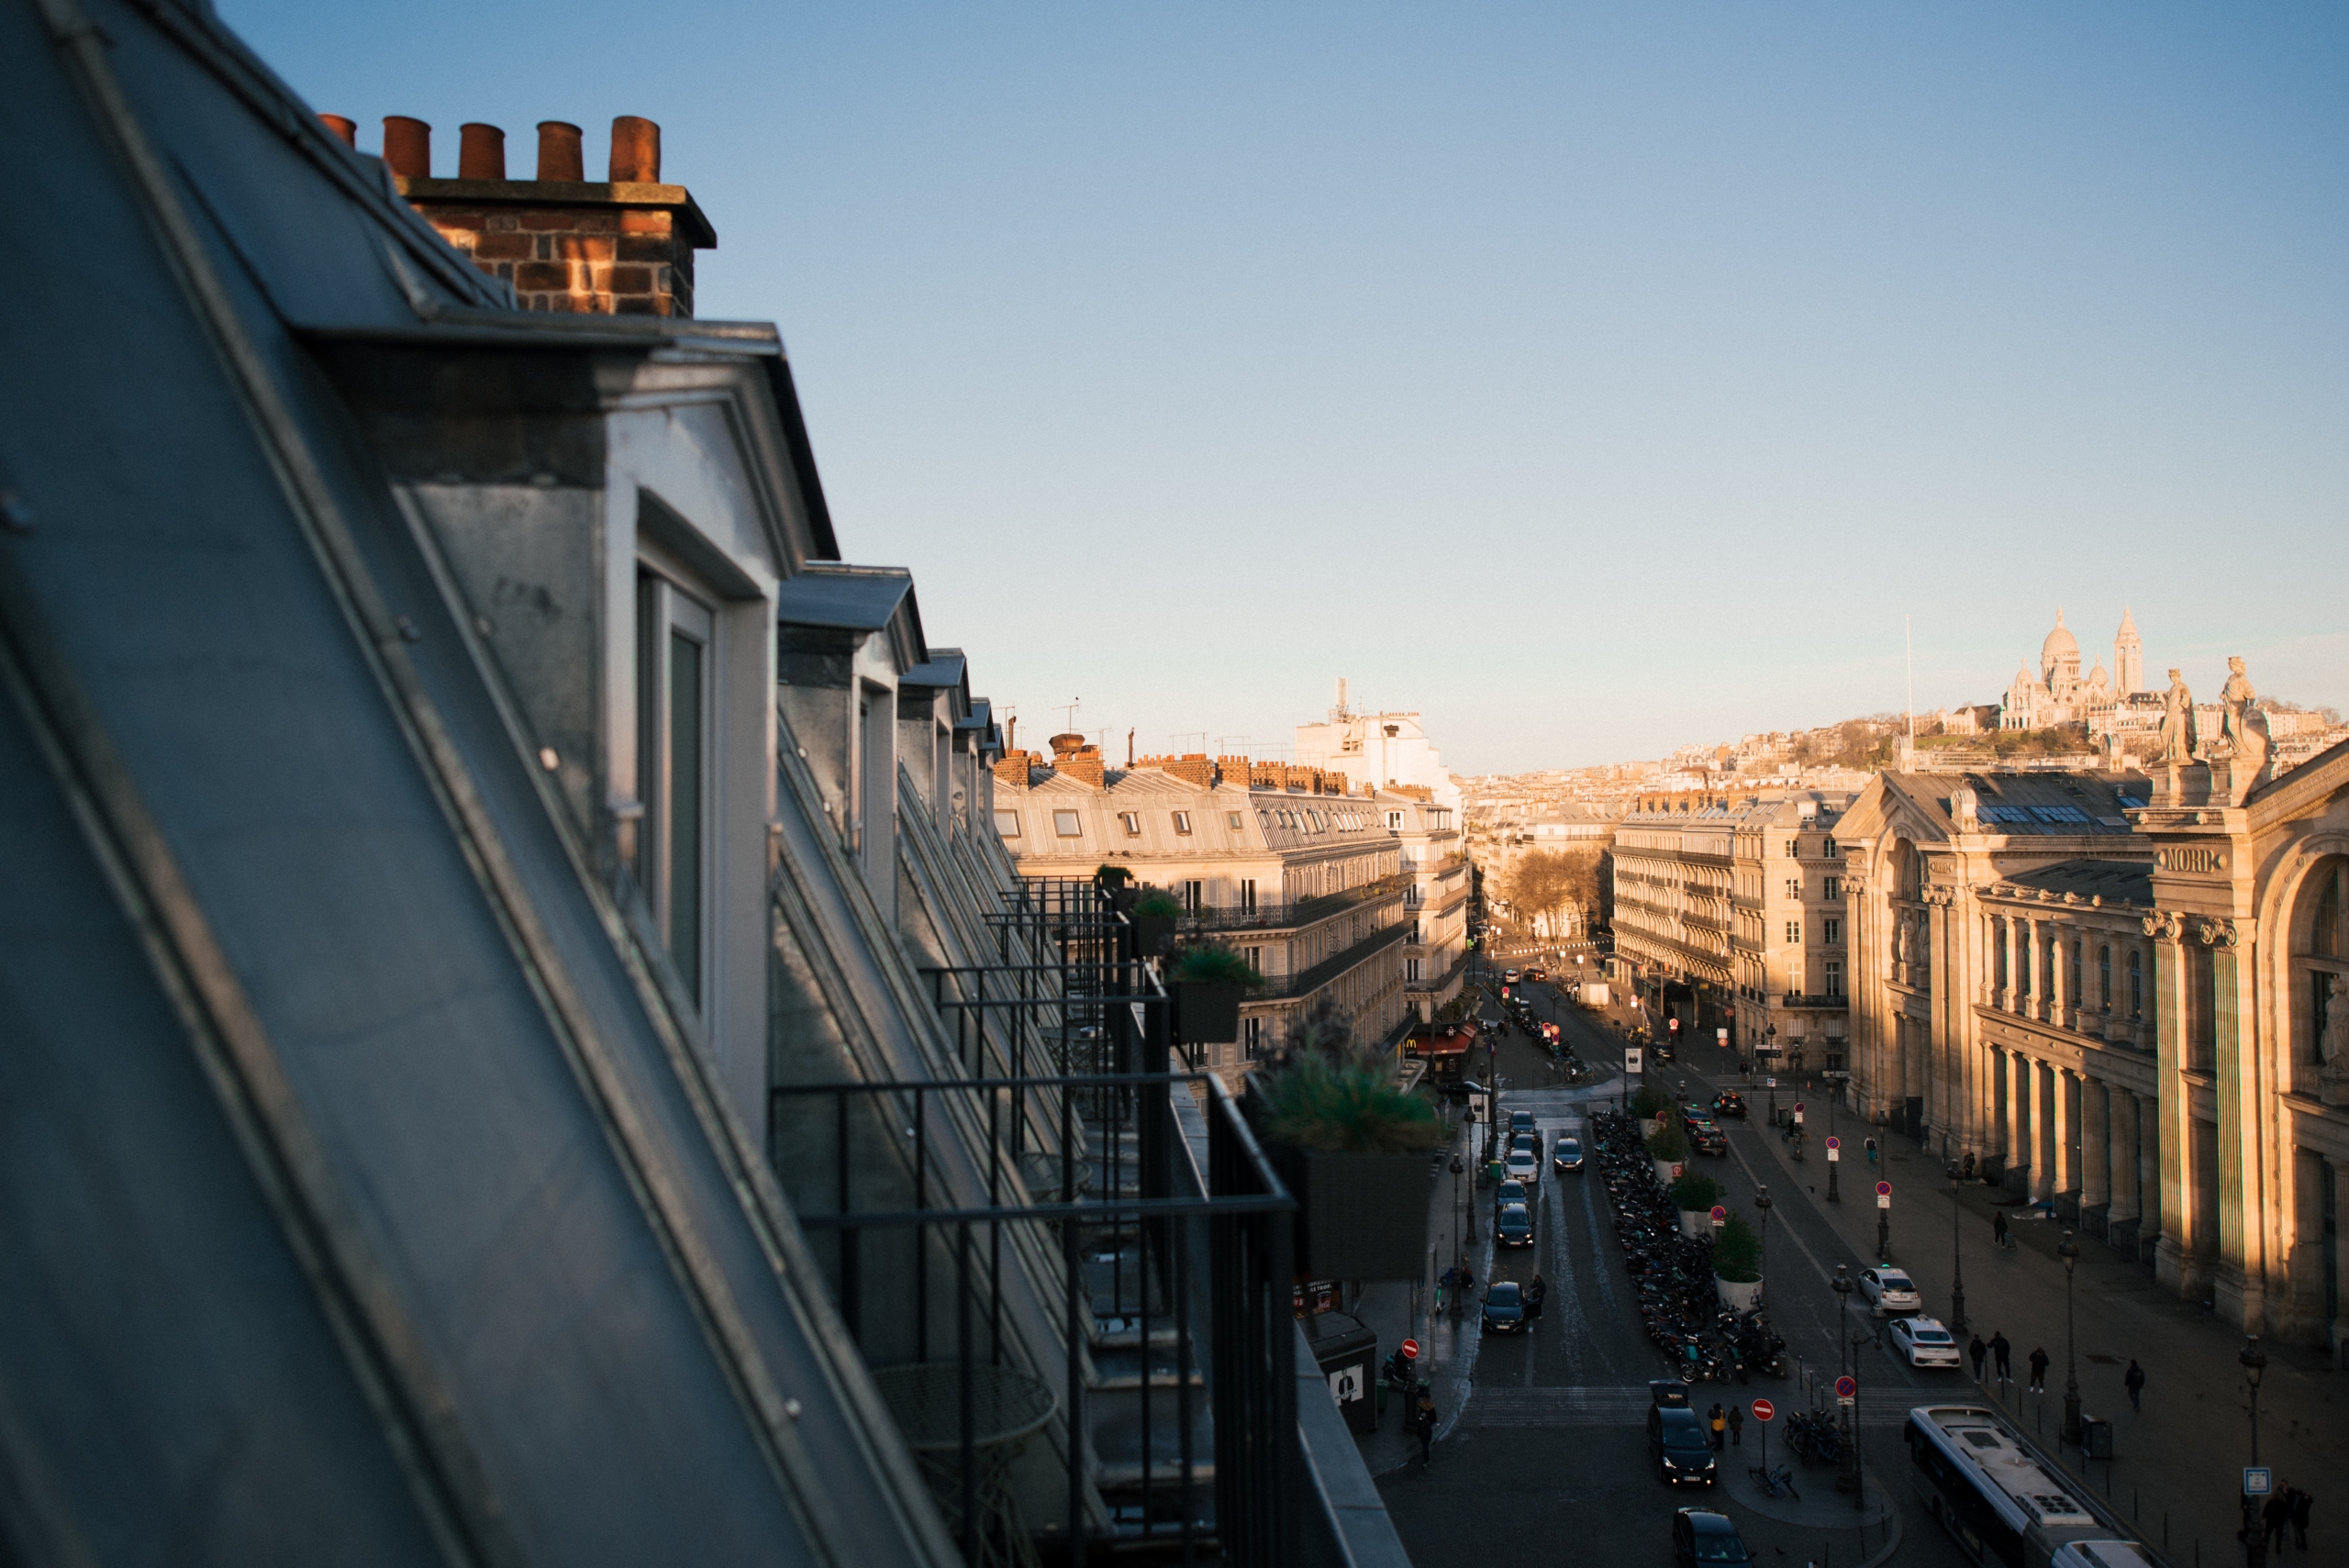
1925 1341
1889 1290
1523 1167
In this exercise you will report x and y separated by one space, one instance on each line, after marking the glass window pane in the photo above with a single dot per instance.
685 809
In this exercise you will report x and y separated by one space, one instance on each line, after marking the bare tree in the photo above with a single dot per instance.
1547 882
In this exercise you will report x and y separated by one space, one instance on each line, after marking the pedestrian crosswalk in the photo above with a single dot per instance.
1613 1406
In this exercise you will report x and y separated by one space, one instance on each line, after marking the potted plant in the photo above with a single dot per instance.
1693 1195
1667 1149
1117 885
1208 983
1154 915
1737 1265
1352 1149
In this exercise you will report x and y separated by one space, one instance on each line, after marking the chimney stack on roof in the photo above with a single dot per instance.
625 247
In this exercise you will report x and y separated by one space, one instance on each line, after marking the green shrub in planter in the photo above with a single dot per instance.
1695 1191
1668 1144
1154 914
1649 1103
1208 983
1353 1149
1737 1252
1109 875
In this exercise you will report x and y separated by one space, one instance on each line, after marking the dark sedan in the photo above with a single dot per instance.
1701 1536
1504 1309
1730 1103
1677 1441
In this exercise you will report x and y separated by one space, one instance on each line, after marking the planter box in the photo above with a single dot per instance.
1737 1297
1695 1223
1151 933
1359 1216
1123 896
1669 1170
1207 1012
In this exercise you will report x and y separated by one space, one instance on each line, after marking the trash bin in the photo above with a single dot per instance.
1347 1353
2096 1436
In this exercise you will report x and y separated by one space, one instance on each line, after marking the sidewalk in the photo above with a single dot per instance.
2178 1466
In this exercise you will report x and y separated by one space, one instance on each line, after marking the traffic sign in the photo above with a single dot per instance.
1769 1082
1835 1154
1720 1037
1410 1349
1846 1390
1719 1213
1834 1143
1764 1410
1673 1024
2258 1481
1798 1107
1883 1189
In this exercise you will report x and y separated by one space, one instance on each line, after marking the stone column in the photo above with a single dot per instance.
2064 1175
2340 1174
2126 1205
2174 1263
2019 1150
2241 1289
2059 979
2096 1155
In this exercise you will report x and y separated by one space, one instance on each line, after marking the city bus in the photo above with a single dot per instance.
1998 1499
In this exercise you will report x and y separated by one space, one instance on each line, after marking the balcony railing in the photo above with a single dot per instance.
1301 912
1071 1280
1307 980
1800 1000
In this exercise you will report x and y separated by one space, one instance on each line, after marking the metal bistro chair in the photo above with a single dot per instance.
1008 1406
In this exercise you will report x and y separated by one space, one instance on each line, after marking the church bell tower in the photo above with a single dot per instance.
2128 658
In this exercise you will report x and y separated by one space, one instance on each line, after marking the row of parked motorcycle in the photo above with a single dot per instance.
1673 1273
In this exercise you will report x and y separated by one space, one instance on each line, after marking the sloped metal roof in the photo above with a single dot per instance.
362 1200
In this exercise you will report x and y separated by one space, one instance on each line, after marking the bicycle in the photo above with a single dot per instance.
1777 1483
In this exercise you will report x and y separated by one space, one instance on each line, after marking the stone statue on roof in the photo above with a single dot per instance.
2333 1046
2241 723
2178 722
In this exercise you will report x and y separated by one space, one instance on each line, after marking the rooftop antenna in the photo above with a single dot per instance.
1909 638
1068 707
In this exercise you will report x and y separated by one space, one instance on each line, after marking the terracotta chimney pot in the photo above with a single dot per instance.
481 153
636 152
343 127
559 154
407 147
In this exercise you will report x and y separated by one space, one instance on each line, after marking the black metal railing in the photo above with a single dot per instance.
1156 1261
1300 912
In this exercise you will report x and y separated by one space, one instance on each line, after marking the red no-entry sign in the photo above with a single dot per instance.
1763 1409
1410 1349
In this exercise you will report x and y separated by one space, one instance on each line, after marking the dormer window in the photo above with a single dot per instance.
1067 825
1132 821
673 695
1007 823
1183 822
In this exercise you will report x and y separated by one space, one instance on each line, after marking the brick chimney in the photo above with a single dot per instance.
623 246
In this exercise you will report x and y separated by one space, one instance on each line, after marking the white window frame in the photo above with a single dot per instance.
1182 822
1132 822
667 615
1007 823
1068 824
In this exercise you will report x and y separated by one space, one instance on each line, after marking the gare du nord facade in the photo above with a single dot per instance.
2123 995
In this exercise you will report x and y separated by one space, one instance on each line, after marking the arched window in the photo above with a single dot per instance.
1999 952
2136 985
2104 979
2320 960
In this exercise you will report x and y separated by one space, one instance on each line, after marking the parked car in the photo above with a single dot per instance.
1508 1193
1504 1309
1677 1443
1513 1226
1521 1166
1706 1138
1889 1290
1729 1103
1926 1342
1567 1154
1701 1535
1537 973
1519 1121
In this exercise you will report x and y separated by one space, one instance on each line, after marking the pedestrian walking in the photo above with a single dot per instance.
1718 1419
2039 1370
1737 1426
1535 1293
2133 1379
1424 1424
2002 1356
1979 1352
1998 1227
2301 1504
2273 1517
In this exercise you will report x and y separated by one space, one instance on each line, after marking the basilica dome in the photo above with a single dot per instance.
2060 650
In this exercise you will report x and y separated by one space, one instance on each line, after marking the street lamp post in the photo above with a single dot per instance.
1956 1257
1762 1202
1835 1151
1848 1451
2069 1251
1883 1229
2254 1362
1456 1168
1770 1068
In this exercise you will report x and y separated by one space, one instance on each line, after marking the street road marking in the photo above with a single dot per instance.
1606 1407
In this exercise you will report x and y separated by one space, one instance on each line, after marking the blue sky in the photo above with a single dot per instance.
1591 378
